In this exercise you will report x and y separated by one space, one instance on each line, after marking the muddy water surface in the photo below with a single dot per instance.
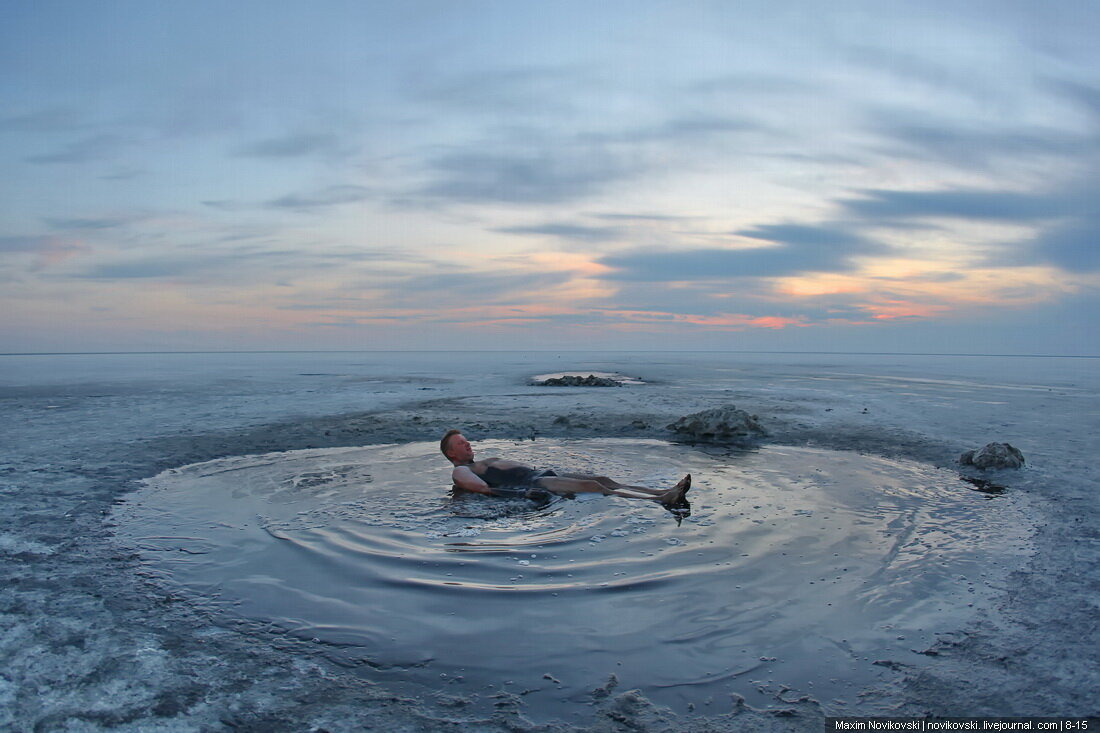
797 570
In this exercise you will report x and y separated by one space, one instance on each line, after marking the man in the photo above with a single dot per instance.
489 475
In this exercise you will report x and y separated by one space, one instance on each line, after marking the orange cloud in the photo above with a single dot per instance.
820 284
576 262
889 310
908 288
734 321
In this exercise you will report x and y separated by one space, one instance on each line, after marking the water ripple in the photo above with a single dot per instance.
795 561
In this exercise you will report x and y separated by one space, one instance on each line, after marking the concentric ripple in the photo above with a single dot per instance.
797 570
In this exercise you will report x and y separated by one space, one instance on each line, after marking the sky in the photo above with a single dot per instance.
799 176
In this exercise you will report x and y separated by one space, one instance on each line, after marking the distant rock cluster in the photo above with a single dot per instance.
721 424
572 380
993 455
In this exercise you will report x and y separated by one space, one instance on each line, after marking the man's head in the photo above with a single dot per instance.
456 448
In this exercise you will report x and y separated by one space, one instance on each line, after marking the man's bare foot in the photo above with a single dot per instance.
677 493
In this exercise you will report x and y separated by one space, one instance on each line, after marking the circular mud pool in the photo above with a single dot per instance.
797 570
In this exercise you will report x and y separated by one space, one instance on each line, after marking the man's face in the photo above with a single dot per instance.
459 449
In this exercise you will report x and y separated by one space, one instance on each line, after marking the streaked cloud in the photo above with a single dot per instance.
47 250
475 287
524 176
77 223
54 119
292 146
329 196
22 244
1074 246
579 232
101 146
960 204
797 248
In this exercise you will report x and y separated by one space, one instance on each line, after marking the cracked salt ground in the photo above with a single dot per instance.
797 571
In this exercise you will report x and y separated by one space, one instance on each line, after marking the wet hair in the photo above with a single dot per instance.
446 439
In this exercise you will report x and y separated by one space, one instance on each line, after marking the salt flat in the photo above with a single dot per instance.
96 636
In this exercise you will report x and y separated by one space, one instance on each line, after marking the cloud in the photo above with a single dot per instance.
22 244
536 168
144 268
802 236
908 69
95 147
990 120
123 174
525 176
800 249
49 250
642 217
292 146
702 298
1085 95
576 232
535 90
79 223
1008 206
224 205
474 288
749 83
56 119
706 264
676 130
1074 246
331 196
1066 220
552 134
679 319
245 263
981 146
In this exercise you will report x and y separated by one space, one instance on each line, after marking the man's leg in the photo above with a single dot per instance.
569 485
612 484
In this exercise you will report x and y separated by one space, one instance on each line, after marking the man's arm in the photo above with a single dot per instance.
466 479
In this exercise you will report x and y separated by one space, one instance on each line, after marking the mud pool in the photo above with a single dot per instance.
798 569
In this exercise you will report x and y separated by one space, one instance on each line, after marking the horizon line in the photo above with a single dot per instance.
542 351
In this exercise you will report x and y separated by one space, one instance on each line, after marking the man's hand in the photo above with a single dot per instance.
537 494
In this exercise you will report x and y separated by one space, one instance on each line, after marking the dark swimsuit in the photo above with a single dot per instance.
513 477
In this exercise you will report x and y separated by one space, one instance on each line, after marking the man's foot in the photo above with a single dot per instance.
677 493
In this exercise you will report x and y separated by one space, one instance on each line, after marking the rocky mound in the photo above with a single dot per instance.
721 424
572 380
993 455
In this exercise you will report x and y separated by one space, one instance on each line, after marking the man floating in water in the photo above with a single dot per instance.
498 475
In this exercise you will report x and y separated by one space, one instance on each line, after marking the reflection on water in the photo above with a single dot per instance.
797 568
984 485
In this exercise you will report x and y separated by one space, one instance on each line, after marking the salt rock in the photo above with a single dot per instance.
571 380
993 455
719 424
